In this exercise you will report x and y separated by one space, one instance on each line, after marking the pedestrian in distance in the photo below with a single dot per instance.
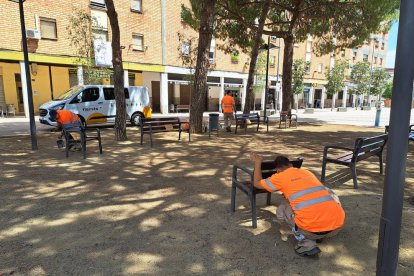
311 210
228 106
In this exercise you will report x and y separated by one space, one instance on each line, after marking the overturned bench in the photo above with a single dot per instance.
363 149
242 120
170 124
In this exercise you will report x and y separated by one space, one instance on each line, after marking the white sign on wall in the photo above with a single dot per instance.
103 52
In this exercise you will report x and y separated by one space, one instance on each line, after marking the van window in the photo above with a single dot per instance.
90 94
109 93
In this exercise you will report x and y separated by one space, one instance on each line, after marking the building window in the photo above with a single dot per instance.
136 5
98 3
365 58
212 53
185 49
99 25
382 46
343 53
309 47
320 66
355 55
307 67
48 28
272 61
138 42
308 57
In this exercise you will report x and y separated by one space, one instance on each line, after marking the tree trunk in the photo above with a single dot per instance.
198 97
333 101
253 58
120 119
287 74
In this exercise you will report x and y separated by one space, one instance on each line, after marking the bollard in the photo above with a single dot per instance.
378 114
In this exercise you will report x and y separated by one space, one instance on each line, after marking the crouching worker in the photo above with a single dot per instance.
310 209
63 117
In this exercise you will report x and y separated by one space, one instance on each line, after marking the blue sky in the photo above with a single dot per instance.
392 43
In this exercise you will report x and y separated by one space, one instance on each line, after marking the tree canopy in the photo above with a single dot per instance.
336 78
360 77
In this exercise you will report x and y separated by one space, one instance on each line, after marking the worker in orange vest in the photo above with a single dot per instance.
227 105
311 210
63 117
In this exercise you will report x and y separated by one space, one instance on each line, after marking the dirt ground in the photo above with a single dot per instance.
166 210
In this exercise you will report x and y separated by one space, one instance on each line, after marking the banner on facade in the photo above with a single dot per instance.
103 52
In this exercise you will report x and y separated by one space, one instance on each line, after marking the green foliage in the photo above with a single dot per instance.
81 39
379 79
388 90
336 78
360 77
260 74
298 73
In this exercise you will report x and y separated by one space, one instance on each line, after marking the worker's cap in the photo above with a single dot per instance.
52 114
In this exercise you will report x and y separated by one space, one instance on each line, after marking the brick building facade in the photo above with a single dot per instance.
151 55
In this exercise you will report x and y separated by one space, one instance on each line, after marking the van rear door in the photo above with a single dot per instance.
109 105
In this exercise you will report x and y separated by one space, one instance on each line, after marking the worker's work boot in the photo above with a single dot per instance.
307 251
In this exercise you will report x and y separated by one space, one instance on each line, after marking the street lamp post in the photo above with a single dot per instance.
277 76
268 47
28 79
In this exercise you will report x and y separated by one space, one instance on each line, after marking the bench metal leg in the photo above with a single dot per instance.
323 171
142 137
269 198
99 141
179 135
83 144
381 164
233 198
354 176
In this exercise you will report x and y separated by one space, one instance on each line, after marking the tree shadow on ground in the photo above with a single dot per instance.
166 210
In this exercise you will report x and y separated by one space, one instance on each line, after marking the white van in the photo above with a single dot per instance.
95 104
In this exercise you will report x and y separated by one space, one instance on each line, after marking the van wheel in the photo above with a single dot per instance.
136 118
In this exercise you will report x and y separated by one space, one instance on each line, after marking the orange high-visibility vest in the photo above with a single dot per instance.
228 104
66 117
314 208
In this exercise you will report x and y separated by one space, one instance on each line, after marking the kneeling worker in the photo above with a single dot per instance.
310 209
63 117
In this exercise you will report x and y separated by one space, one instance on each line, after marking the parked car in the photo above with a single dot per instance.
95 104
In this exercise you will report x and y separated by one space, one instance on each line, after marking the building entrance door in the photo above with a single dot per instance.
19 91
155 98
318 98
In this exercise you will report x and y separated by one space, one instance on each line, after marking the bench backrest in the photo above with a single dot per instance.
367 147
160 124
250 116
268 167
75 125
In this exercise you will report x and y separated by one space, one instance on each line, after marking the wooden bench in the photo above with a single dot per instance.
238 182
288 118
155 125
182 107
241 120
363 149
85 135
